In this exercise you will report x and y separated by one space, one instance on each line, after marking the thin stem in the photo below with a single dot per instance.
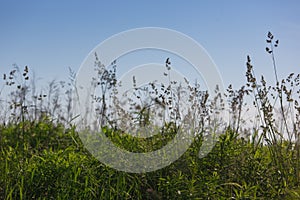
274 63
280 91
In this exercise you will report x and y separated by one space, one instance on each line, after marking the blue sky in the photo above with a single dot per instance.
50 36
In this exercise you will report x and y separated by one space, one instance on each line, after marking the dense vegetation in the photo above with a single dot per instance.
42 156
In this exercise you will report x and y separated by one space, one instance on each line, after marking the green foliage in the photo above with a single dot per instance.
235 168
42 157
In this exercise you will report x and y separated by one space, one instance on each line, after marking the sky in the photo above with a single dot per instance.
50 36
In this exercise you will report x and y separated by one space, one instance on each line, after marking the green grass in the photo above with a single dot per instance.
42 156
63 169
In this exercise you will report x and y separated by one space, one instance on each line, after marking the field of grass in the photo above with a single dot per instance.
42 156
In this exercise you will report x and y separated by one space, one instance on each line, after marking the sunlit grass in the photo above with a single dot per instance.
42 156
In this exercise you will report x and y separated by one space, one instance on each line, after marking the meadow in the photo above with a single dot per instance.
43 157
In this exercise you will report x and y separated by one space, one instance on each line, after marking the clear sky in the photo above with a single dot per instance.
50 36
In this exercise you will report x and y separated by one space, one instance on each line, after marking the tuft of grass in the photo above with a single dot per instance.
42 157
